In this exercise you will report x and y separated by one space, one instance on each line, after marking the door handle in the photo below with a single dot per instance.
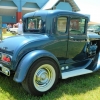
71 37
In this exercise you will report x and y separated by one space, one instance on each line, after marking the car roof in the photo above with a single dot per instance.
53 12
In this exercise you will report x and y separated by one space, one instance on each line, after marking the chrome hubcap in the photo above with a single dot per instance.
42 77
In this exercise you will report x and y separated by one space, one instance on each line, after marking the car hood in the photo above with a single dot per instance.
93 36
14 43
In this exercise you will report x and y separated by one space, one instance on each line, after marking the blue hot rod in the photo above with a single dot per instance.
55 44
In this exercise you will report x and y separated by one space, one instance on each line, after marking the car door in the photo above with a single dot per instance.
60 37
76 41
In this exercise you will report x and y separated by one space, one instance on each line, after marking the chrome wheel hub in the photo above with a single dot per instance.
42 77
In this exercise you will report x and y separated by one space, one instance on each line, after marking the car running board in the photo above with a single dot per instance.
75 73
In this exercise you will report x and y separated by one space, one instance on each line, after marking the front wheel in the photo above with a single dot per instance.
42 77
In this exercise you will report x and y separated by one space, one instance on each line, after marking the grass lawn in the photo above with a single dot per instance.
7 34
85 87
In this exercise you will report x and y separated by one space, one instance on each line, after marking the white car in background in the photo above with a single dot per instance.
13 30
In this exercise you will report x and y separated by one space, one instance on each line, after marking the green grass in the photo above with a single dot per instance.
7 34
85 87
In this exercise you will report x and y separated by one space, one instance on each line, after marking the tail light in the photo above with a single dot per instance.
6 58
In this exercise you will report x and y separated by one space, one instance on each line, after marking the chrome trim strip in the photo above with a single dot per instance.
75 73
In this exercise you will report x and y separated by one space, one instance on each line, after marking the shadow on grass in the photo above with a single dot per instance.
71 86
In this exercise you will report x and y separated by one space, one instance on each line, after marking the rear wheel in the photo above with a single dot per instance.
42 77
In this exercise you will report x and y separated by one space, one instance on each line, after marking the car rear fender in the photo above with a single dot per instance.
28 60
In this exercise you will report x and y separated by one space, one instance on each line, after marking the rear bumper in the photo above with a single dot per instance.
4 70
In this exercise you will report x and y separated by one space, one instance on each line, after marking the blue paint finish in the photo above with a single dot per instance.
0 34
18 4
7 3
4 25
21 3
31 57
0 27
31 5
34 3
88 16
23 43
8 19
40 3
64 6
96 64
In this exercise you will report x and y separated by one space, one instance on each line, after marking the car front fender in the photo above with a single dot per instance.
96 65
28 60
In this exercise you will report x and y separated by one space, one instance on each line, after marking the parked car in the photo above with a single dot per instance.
94 28
13 30
97 31
58 47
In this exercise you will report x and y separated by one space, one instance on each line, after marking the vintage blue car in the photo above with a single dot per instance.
55 45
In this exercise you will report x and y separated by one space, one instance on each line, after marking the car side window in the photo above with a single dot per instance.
61 25
77 26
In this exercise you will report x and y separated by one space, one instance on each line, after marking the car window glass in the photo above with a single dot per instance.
34 23
77 26
61 24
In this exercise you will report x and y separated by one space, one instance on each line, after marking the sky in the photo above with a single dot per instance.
90 7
